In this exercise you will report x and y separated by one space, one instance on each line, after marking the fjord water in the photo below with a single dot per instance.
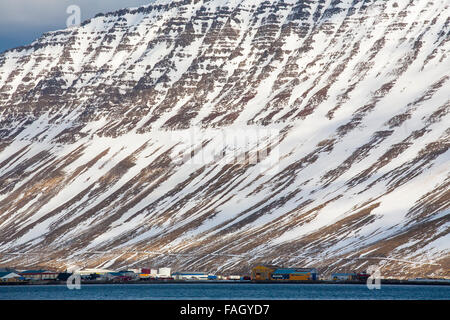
232 291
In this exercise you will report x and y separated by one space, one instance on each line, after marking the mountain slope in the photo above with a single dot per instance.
219 134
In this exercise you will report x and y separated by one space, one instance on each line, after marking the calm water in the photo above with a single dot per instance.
225 291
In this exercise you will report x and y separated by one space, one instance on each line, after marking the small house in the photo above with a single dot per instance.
10 277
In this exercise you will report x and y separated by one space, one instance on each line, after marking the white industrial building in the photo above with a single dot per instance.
190 276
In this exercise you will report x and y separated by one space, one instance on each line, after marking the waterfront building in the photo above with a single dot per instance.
295 274
39 275
343 276
10 277
190 276
164 273
263 272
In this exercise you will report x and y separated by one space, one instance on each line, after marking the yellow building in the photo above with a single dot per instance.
300 277
263 273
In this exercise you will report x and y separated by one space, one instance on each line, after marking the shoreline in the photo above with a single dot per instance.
383 281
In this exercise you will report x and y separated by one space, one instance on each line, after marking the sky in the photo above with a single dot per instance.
23 21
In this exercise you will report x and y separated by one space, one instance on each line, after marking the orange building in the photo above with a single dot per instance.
262 273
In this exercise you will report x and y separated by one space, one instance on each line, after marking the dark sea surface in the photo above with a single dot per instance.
225 291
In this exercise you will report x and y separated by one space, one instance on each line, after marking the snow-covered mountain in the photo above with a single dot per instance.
214 135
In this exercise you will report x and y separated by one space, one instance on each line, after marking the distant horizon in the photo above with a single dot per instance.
24 21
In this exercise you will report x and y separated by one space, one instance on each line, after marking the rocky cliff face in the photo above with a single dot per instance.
214 135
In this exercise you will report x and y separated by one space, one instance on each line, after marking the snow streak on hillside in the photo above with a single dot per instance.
214 135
